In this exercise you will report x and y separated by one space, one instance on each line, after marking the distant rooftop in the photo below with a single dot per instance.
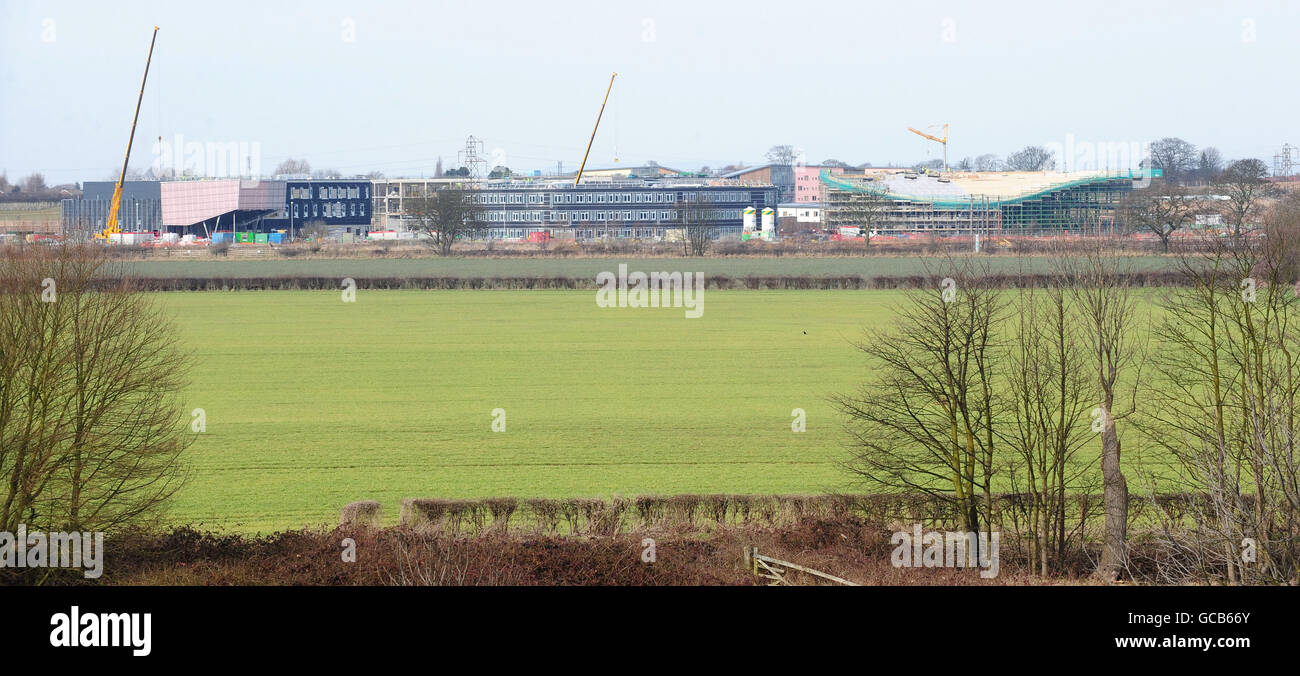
995 185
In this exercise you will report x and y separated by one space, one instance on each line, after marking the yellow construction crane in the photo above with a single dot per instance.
110 227
593 129
941 141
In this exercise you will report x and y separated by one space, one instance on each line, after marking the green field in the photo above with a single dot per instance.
588 267
312 403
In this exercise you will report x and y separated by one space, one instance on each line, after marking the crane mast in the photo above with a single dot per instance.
941 141
110 226
593 129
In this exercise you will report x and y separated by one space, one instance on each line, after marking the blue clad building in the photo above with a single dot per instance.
339 204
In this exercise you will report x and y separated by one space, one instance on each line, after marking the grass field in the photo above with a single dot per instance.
587 267
312 403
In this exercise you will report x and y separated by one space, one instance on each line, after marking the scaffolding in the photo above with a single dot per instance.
1081 206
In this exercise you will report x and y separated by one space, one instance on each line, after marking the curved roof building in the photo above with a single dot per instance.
978 201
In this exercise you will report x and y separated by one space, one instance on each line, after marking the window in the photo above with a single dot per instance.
295 211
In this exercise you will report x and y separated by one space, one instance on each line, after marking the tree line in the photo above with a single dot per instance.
977 390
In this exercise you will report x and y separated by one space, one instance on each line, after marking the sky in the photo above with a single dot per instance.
392 86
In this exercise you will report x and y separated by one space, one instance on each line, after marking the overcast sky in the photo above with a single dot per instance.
391 86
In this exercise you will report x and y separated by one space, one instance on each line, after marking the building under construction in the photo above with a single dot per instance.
968 202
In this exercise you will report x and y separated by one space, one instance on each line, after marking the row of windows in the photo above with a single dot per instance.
539 216
600 197
586 233
330 210
331 192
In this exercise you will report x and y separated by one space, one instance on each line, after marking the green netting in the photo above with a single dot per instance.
966 203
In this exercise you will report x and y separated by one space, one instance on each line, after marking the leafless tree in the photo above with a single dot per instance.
291 166
1107 312
91 428
782 155
1175 158
447 215
988 162
1244 184
1031 158
865 210
697 232
36 182
1228 409
924 421
1045 409
1162 208
1209 164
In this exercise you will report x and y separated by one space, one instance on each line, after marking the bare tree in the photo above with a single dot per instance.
1031 158
1046 412
1175 158
291 166
1103 302
1228 409
314 230
988 162
866 210
924 422
1162 208
447 215
1245 186
782 155
36 182
697 232
91 429
1209 164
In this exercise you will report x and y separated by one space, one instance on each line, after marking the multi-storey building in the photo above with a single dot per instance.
599 209
338 204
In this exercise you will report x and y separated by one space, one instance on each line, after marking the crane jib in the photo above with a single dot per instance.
110 226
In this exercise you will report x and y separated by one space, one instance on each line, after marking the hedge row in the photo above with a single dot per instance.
690 512
754 282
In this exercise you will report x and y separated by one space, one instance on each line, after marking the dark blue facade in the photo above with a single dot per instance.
338 203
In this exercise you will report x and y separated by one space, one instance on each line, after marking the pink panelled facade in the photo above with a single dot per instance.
807 182
188 202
